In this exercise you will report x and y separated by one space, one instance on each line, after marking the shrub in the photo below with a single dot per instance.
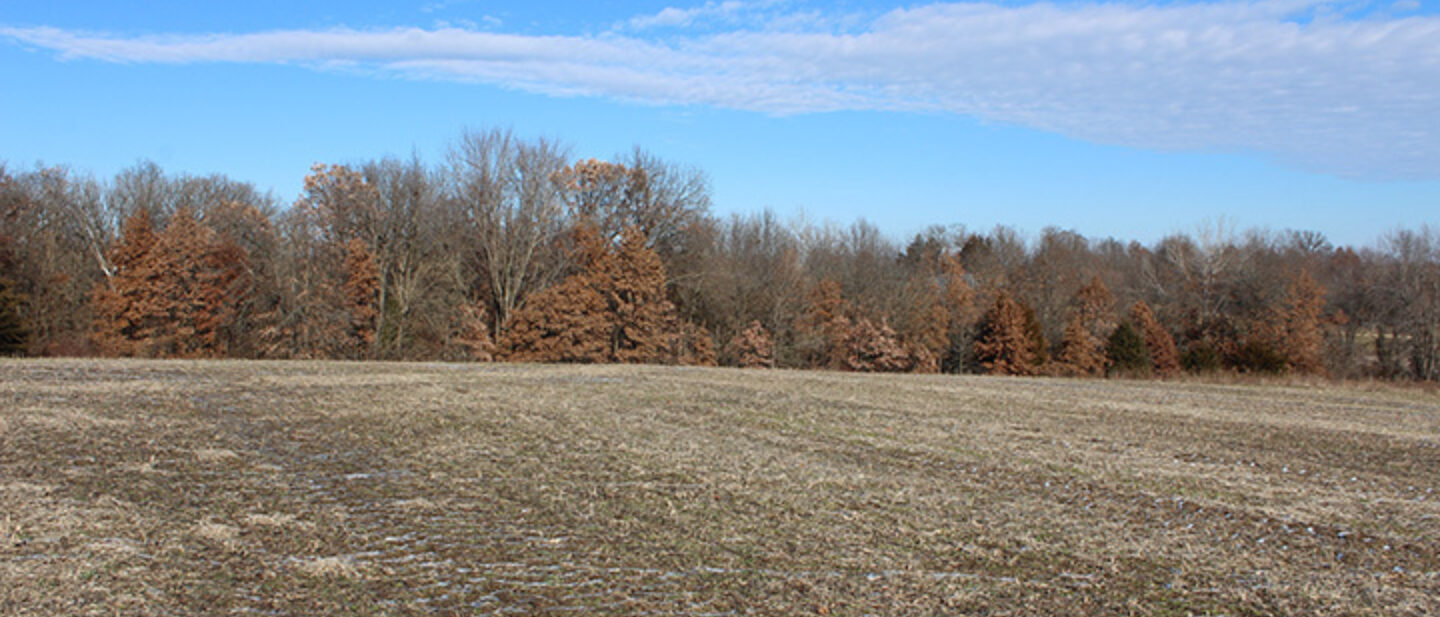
1201 358
1257 356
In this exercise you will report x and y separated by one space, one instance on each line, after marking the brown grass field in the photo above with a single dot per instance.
239 488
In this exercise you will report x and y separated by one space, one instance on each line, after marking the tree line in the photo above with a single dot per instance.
511 249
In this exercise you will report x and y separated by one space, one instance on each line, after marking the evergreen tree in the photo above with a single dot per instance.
1035 334
176 264
224 287
13 332
1126 351
1094 305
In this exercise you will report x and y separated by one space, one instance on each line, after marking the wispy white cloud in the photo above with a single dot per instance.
721 11
1355 97
671 17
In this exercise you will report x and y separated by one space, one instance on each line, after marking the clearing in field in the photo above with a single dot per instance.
161 488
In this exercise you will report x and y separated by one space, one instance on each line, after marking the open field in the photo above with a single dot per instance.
163 488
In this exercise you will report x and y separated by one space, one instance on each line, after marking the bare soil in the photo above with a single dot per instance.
225 488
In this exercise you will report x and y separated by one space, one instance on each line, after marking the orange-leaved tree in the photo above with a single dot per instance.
470 333
1164 358
875 349
752 347
631 278
173 294
565 322
1081 353
960 300
693 346
1006 345
121 304
1082 350
1300 323
613 309
361 290
825 325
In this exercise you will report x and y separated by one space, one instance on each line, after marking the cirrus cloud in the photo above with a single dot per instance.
1357 97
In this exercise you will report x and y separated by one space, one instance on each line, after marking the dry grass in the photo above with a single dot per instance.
215 455
328 567
160 488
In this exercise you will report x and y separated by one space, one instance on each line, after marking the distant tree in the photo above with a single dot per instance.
658 199
825 325
1004 346
1035 333
752 347
238 275
566 322
345 206
471 333
1126 351
631 278
1094 304
361 290
603 194
960 301
1300 319
303 315
1164 359
1082 348
672 201
1081 353
191 304
124 305
14 334
173 294
926 317
874 349
614 309
509 193
694 346
1259 355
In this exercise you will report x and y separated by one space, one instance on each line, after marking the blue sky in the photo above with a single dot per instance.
1124 119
